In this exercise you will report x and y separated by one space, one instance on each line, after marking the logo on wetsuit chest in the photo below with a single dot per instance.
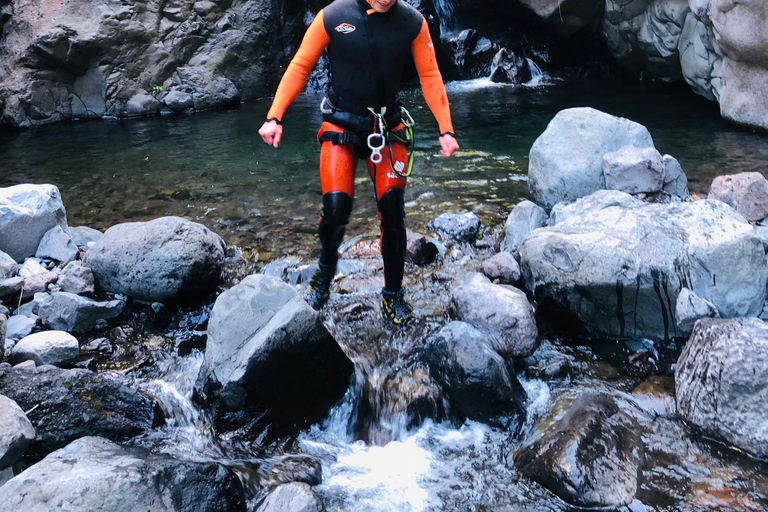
345 28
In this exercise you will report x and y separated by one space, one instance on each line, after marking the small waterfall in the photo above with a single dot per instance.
537 75
445 14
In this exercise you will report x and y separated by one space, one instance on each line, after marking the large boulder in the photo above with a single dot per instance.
75 314
16 432
567 16
566 161
46 347
27 213
65 405
634 170
747 192
721 382
617 269
8 266
269 350
524 218
292 497
166 259
93 473
701 58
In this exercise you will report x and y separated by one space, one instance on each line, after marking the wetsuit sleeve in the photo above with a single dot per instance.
431 81
295 77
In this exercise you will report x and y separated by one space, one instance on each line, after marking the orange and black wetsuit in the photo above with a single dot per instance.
367 52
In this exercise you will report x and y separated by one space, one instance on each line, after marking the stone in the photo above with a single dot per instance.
459 227
27 212
57 245
178 100
268 349
701 58
590 458
503 267
31 267
634 170
19 326
509 68
565 162
524 218
142 104
675 180
8 266
11 287
93 473
70 404
567 16
3 328
16 432
47 347
419 249
37 283
76 278
474 376
292 497
84 237
689 308
166 259
721 382
502 311
76 314
746 192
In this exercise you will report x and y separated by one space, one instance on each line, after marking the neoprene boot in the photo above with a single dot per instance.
394 307
320 286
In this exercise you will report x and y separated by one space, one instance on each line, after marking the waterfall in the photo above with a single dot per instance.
537 75
444 10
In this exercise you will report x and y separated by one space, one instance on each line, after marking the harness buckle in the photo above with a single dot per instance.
326 107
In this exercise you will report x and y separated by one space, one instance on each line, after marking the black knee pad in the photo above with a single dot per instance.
392 208
337 206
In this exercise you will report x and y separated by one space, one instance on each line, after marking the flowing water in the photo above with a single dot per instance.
212 167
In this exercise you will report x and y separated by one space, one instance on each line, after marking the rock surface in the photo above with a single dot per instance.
459 227
293 497
634 170
503 267
47 347
524 218
689 308
72 313
57 245
27 212
16 432
746 192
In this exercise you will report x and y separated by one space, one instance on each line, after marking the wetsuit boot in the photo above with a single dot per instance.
394 307
320 286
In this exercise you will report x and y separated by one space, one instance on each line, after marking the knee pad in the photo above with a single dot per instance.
392 208
337 206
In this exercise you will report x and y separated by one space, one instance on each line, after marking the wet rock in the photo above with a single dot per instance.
721 382
524 218
16 432
47 347
618 270
473 376
70 404
25 365
76 314
566 160
567 16
502 267
178 100
11 287
675 180
548 363
3 328
419 250
689 307
27 212
459 227
142 104
291 468
57 245
746 192
76 278
634 170
509 68
503 311
93 473
164 259
31 267
19 326
590 458
293 497
471 54
84 237
268 349
101 345
8 266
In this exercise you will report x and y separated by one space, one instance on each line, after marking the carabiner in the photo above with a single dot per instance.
376 150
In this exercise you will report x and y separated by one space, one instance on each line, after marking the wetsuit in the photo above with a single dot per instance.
367 52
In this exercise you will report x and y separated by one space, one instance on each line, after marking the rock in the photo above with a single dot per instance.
37 283
633 170
16 432
19 326
675 180
473 376
471 54
178 100
617 271
72 313
84 237
509 68
701 57
566 160
47 347
164 259
460 227
76 278
419 250
567 16
57 245
25 365
746 192
3 328
689 308
70 404
524 218
142 104
11 287
31 267
268 349
101 345
27 212
721 382
93 473
8 266
293 497
502 266
592 456
503 311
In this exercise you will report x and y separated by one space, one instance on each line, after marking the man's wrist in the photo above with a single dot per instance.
448 133
276 120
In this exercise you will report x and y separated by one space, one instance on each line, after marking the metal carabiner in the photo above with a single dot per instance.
376 150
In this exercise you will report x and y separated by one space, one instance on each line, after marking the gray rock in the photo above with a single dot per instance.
592 456
689 308
599 200
634 170
19 326
47 347
76 314
11 287
84 237
721 382
419 249
70 404
502 266
565 162
8 266
93 473
460 227
474 376
567 16
16 432
3 328
178 100
675 180
746 192
617 271
701 58
31 267
27 212
164 259
471 278
503 311
57 245
142 104
29 364
268 349
524 218
292 497
76 278
37 283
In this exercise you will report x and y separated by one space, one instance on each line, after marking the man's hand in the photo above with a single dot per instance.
272 132
447 145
